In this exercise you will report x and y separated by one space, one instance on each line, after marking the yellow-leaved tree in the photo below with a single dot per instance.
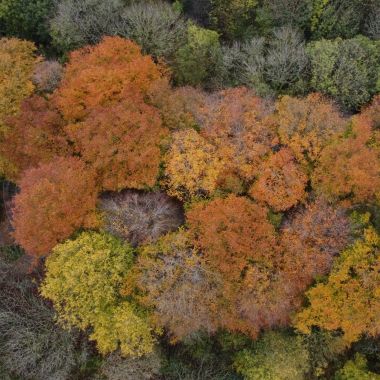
83 280
350 299
17 62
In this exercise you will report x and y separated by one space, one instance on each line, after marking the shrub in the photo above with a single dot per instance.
140 217
89 295
55 199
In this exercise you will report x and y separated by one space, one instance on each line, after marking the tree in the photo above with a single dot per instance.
230 233
307 125
198 61
121 143
373 23
281 183
55 199
311 239
277 13
115 367
192 165
234 18
347 70
236 122
349 169
156 26
275 355
102 75
179 107
78 23
139 217
356 369
17 62
349 300
35 136
338 18
83 279
26 19
32 346
175 281
286 60
47 76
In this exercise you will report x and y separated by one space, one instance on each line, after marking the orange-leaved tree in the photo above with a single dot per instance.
99 76
231 232
103 99
121 143
55 199
34 136
238 123
310 239
350 299
349 169
307 125
281 183
17 62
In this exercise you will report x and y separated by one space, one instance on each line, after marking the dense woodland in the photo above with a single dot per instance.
190 190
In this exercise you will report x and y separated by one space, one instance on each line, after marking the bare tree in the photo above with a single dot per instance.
115 367
140 217
80 22
32 346
286 60
155 25
47 76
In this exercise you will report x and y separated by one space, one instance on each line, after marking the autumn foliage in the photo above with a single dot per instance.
100 76
121 143
230 232
281 183
307 125
35 136
349 300
192 165
55 199
311 238
17 62
185 293
236 122
349 169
